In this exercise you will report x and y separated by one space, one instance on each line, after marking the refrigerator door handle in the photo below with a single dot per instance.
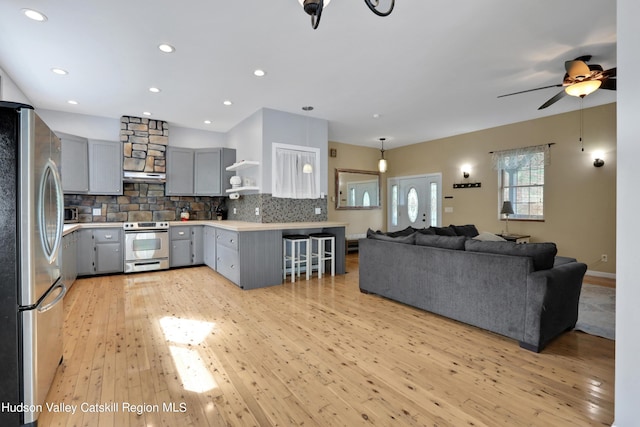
50 245
58 286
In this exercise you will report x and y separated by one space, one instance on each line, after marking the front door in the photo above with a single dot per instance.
414 201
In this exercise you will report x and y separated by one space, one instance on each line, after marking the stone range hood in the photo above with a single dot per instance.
144 149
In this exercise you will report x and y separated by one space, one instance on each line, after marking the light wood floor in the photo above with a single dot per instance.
317 353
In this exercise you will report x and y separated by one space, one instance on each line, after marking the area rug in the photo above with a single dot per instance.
597 311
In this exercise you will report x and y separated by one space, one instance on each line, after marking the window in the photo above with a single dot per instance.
434 204
288 178
412 204
521 180
394 204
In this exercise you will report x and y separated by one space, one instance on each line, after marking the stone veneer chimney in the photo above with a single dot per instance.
145 144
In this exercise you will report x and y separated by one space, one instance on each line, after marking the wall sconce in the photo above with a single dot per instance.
466 171
598 160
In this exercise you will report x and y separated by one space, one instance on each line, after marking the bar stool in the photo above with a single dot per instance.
321 253
296 256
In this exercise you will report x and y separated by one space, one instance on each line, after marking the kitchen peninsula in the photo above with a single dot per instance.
248 254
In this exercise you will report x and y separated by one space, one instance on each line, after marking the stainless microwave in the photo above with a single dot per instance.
70 214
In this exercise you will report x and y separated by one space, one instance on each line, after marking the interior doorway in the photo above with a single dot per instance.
414 201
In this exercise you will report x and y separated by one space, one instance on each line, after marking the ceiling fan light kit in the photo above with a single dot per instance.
584 88
314 9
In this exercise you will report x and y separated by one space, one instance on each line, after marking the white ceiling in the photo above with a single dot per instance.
430 69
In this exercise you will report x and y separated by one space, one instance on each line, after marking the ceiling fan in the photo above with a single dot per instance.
580 80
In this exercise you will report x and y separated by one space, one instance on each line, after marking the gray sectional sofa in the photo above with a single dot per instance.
523 292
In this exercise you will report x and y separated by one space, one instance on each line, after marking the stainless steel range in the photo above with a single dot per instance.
146 246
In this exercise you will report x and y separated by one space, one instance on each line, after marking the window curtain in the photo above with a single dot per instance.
518 158
291 182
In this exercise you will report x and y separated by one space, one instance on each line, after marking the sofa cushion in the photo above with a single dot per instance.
468 230
485 236
406 232
429 231
444 231
542 254
560 260
378 235
445 242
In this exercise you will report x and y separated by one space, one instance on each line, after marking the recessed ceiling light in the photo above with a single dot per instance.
166 48
72 102
227 102
34 14
259 73
146 113
207 122
60 71
154 89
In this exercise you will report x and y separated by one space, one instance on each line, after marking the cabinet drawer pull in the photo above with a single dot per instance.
181 233
230 240
107 236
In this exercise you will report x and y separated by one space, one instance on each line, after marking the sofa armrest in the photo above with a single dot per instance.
552 303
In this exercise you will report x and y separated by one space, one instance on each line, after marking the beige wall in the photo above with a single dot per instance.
354 157
580 199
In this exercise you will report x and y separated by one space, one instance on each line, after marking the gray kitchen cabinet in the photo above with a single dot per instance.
180 246
105 167
250 259
179 171
186 246
198 172
100 251
211 176
209 247
109 257
74 163
69 258
197 241
227 257
85 251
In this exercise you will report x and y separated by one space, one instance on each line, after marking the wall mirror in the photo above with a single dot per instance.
357 189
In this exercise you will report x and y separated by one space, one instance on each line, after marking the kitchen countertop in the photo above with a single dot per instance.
224 224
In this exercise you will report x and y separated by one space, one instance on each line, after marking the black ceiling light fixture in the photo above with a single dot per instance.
314 9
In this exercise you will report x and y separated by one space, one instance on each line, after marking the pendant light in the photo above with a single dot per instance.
382 163
307 167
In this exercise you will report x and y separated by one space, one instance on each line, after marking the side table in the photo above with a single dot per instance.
518 238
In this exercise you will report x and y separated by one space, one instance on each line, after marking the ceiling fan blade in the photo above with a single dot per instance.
553 100
611 84
583 58
530 90
612 72
577 68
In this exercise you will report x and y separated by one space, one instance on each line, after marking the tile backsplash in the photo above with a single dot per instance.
147 202
142 202
274 209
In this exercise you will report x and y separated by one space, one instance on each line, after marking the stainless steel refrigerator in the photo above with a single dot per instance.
31 289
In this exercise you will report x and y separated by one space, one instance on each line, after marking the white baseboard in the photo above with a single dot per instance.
601 274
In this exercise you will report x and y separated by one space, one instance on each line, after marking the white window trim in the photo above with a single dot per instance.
302 148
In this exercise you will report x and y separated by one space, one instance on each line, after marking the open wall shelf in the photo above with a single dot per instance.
244 164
